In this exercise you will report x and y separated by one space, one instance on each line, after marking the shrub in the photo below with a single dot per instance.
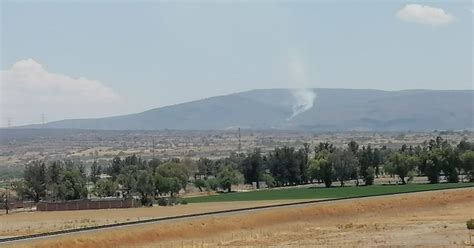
269 180
411 176
200 184
470 224
163 202
212 184
370 177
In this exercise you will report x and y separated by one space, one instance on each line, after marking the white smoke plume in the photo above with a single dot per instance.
304 100
303 96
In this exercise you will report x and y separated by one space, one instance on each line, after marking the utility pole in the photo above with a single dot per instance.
239 148
153 149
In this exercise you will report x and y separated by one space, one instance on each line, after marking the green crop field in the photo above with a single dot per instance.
324 193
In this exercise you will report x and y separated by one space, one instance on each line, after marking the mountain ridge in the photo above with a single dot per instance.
333 110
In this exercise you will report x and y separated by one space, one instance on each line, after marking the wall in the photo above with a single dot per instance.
86 204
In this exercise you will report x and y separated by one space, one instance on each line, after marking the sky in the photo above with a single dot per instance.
83 59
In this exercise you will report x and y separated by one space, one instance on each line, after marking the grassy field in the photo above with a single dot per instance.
324 193
431 219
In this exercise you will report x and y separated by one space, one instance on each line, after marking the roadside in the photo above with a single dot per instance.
25 223
412 219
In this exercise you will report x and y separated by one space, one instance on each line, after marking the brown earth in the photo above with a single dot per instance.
430 219
23 223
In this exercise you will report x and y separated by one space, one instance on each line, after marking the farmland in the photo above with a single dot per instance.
236 124
323 193
426 219
37 222
195 184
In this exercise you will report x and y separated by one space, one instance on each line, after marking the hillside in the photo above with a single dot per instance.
332 110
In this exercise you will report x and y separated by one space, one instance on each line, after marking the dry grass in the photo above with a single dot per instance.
426 219
22 223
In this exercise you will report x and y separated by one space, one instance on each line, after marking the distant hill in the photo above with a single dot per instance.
332 110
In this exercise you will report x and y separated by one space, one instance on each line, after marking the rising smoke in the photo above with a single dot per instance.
303 95
304 100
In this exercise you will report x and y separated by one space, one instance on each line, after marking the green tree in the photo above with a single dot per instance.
269 180
302 159
353 147
3 200
369 176
132 160
465 145
212 184
166 185
228 177
105 188
315 169
252 167
206 167
96 170
116 167
145 186
72 185
324 147
366 165
35 180
127 179
432 164
284 166
154 163
345 165
200 184
54 177
20 188
401 164
451 164
377 160
467 162
322 170
176 170
54 172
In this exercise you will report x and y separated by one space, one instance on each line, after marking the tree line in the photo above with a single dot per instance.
156 180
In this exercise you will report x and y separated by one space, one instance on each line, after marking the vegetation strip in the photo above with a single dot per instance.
319 193
160 182
77 230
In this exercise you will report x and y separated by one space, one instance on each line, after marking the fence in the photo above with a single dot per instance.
86 205
13 205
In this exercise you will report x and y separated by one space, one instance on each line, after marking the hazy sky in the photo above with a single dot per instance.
74 59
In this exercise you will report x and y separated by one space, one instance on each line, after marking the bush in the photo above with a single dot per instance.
200 184
411 176
470 224
171 201
370 177
212 184
269 180
163 202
